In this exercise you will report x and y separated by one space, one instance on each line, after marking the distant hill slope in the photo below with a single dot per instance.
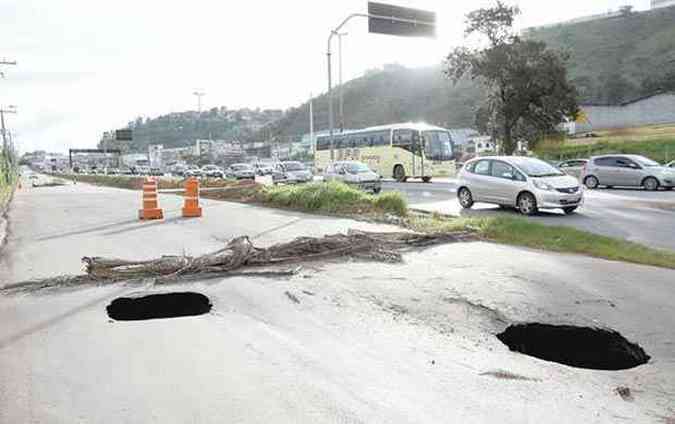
183 128
620 58
395 94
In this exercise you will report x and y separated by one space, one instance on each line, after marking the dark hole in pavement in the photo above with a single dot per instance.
581 347
163 305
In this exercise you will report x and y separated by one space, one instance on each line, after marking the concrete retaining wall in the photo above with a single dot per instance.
659 109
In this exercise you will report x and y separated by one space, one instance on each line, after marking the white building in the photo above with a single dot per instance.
662 3
483 144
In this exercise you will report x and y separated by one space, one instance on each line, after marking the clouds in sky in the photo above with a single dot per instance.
88 66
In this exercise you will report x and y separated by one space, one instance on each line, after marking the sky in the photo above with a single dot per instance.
89 66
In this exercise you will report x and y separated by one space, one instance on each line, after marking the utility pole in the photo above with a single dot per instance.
341 112
6 62
10 109
199 95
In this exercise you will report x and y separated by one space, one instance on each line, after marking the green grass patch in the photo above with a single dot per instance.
656 145
522 232
334 197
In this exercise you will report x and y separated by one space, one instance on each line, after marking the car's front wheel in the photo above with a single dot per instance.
465 198
527 204
650 184
591 182
426 179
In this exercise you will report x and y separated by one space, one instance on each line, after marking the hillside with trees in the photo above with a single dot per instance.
393 94
619 58
183 128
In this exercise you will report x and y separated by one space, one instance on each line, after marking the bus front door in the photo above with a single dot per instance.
417 151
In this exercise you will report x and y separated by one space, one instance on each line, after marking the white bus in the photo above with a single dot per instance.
398 151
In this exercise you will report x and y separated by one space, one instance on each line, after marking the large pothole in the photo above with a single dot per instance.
582 347
163 305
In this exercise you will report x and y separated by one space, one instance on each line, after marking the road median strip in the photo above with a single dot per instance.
560 239
341 200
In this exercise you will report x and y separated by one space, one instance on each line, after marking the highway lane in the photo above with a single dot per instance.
631 214
362 341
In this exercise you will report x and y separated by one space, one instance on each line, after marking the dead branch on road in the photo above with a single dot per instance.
240 253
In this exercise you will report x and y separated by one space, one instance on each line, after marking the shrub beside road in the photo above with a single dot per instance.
7 181
334 197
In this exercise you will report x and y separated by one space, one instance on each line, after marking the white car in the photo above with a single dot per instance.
354 173
525 183
212 171
241 171
291 172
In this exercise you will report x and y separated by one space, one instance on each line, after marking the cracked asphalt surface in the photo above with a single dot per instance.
365 342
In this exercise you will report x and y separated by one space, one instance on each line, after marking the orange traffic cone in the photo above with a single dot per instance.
191 207
151 208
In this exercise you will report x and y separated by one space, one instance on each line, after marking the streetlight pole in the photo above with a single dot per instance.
336 31
311 124
199 95
341 112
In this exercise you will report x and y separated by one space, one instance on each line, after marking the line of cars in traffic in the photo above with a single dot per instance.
530 184
353 173
289 171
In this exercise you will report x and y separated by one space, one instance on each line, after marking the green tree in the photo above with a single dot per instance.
528 92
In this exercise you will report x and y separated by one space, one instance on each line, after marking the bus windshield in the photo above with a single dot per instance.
438 145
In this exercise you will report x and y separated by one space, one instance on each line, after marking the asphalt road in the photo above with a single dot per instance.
630 214
362 342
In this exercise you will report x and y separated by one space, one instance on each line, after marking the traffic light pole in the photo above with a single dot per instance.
336 31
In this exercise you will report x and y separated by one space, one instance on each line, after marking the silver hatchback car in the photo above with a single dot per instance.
356 174
525 183
627 171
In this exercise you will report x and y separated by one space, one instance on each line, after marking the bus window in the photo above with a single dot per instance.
403 137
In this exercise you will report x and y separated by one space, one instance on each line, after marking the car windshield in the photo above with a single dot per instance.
536 168
646 162
356 167
241 167
294 166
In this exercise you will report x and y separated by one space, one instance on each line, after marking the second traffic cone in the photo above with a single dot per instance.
151 208
191 207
